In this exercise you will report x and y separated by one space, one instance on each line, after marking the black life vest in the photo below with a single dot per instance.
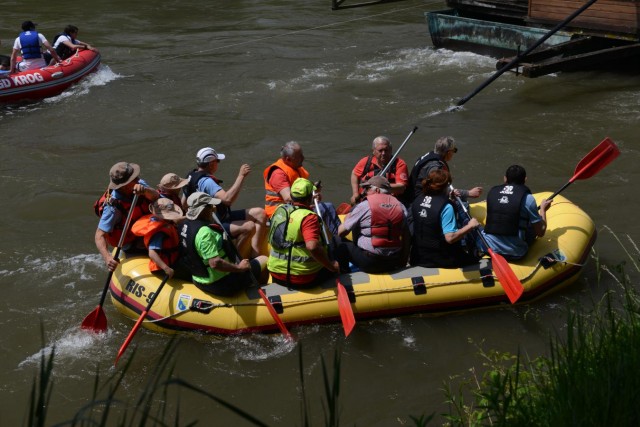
503 209
194 177
429 247
414 181
62 49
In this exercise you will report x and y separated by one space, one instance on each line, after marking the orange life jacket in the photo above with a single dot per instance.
147 227
272 198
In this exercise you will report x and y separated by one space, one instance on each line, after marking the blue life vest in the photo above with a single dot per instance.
30 43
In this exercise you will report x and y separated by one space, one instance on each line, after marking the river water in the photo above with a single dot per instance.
245 77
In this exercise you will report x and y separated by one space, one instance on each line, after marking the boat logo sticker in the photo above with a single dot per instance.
184 301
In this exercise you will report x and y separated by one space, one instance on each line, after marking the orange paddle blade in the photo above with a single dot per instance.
603 154
274 314
507 278
346 313
96 321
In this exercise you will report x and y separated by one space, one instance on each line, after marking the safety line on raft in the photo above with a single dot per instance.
363 292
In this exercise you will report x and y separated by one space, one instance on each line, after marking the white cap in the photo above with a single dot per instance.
208 154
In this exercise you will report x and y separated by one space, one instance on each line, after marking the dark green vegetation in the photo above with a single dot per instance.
589 378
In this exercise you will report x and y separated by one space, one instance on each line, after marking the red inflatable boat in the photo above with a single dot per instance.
48 81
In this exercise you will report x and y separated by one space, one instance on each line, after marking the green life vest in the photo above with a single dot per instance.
289 254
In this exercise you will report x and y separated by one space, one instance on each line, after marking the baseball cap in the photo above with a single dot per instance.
208 154
302 188
377 181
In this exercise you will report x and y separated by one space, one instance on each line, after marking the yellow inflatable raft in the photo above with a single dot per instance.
552 262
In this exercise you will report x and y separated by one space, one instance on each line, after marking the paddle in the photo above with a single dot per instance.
344 208
344 305
264 297
96 321
507 278
126 342
518 58
603 154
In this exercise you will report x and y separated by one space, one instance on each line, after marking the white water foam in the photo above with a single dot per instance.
74 343
101 77
387 65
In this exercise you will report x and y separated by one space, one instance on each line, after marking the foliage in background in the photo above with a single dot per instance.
590 378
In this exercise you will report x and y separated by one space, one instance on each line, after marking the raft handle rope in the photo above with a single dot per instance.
206 307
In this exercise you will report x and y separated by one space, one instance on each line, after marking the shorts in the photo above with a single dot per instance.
237 215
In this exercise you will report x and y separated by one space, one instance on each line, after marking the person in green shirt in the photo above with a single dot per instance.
208 255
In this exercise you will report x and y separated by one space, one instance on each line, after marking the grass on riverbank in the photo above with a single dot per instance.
590 378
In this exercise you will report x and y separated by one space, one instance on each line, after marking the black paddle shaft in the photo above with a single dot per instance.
518 58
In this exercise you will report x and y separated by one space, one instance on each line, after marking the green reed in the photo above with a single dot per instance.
151 408
590 378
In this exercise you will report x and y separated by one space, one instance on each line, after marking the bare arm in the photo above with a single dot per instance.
52 51
103 248
221 264
147 192
454 237
285 193
230 196
541 227
318 253
355 187
14 56
155 257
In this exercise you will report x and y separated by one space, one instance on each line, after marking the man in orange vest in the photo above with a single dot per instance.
280 175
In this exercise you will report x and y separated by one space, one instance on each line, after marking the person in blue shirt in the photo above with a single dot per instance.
513 218
247 226
113 208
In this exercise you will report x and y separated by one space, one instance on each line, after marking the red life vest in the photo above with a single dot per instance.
147 228
123 206
387 221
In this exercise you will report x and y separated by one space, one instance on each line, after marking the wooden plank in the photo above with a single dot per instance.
582 61
606 15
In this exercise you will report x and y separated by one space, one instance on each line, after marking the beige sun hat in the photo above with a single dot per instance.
171 181
123 173
165 208
198 201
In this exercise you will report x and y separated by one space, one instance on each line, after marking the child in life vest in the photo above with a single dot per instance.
160 235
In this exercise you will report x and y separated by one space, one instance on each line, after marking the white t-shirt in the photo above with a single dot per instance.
33 63
61 39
